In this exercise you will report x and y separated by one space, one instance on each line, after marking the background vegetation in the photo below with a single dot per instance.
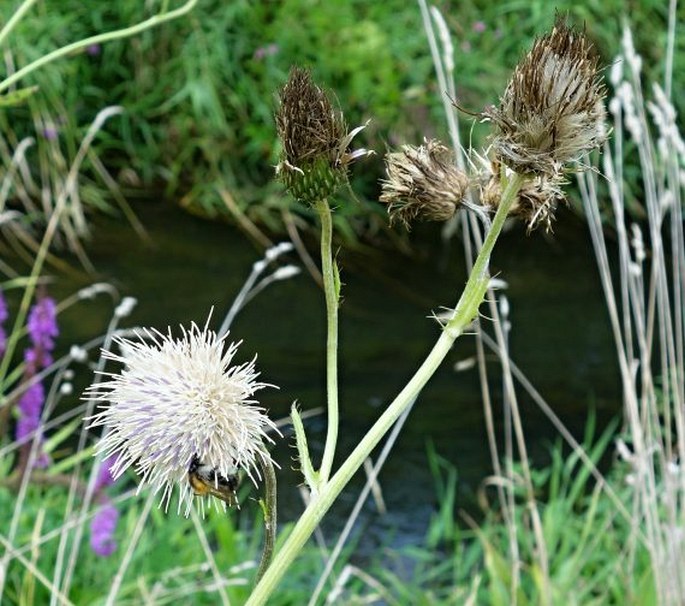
199 93
197 129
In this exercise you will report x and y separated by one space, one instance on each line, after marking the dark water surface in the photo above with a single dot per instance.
560 338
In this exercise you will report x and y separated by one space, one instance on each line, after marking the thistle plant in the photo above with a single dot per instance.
314 163
549 118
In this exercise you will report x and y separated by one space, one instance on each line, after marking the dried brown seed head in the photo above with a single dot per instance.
423 183
535 203
552 111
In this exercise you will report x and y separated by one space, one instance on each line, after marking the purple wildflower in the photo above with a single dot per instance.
50 133
42 329
42 324
104 522
30 407
31 402
478 27
102 528
25 425
3 308
265 51
93 50
36 358
105 478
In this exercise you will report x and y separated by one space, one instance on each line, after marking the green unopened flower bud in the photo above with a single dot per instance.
423 183
316 181
315 143
552 111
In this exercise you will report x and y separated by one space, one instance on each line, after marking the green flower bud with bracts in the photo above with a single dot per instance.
316 146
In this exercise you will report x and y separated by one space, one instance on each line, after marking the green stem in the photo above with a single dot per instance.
270 514
15 18
330 285
97 39
466 310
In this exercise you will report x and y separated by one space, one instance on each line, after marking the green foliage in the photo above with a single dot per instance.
199 93
584 534
167 561
585 538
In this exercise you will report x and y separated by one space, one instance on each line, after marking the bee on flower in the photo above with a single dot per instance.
181 413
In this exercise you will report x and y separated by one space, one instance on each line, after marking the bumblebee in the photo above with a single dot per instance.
207 480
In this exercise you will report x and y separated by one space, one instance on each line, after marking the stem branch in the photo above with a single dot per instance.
270 514
465 311
153 21
330 285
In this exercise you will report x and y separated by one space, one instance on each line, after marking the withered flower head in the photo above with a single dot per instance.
423 183
536 202
315 143
552 111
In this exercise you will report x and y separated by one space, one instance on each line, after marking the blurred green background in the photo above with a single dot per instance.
199 92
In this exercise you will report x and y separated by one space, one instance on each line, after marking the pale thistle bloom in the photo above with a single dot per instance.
180 402
423 183
552 111
316 144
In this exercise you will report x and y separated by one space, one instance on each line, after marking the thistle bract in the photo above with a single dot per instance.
536 201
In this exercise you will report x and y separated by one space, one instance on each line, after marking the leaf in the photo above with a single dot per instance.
17 97
65 432
645 594
310 476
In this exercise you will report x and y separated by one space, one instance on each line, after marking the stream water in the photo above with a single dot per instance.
560 338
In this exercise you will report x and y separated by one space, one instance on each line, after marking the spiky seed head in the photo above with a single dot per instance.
536 201
423 183
315 140
176 401
552 111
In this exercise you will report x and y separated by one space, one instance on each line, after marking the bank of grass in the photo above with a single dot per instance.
458 561
198 93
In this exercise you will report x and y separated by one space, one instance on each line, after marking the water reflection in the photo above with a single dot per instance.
560 338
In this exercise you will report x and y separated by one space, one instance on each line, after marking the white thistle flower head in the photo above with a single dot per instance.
179 402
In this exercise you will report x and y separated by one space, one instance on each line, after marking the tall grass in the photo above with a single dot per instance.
646 309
